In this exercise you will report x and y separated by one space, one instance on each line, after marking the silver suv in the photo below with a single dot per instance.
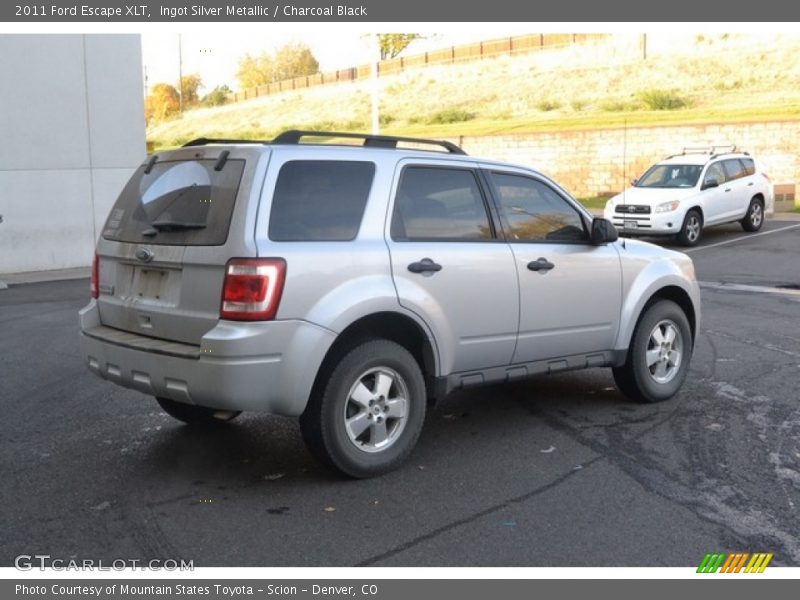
349 285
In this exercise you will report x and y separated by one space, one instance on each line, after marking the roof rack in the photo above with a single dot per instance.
714 150
206 141
295 135
373 141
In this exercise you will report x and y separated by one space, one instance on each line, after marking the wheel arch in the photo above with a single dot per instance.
661 281
680 297
395 326
699 209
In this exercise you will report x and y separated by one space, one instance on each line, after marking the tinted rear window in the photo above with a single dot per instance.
320 200
181 203
435 203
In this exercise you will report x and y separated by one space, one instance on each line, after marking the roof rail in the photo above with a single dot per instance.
206 141
713 150
375 141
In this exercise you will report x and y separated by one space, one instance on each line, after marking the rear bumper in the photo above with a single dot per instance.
265 366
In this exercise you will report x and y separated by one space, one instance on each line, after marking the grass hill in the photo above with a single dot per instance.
687 78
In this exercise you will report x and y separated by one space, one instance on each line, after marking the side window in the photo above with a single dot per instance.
535 212
749 166
733 168
320 200
715 172
436 203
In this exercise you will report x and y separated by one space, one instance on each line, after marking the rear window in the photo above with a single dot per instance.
180 203
749 166
320 200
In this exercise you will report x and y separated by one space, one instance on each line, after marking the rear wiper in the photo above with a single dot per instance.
176 225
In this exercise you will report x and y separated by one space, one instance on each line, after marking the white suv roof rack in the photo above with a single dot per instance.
713 150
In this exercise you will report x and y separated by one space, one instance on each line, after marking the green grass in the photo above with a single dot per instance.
594 203
662 99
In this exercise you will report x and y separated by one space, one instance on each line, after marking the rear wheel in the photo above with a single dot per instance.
659 354
754 218
692 228
366 418
190 413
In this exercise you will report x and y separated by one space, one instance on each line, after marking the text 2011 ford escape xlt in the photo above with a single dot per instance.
348 285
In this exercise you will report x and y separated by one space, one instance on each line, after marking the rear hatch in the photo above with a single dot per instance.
164 247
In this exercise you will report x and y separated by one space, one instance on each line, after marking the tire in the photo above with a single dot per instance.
659 354
692 228
196 415
754 218
365 419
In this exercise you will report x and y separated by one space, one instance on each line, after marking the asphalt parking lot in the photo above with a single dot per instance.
557 471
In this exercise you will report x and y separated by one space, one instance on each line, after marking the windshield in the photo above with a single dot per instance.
670 176
180 203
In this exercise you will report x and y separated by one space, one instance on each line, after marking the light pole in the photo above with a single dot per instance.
180 75
375 83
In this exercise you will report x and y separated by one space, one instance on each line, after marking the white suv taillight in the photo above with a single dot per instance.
252 288
95 285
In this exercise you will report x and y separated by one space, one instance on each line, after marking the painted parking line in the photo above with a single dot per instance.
755 289
743 238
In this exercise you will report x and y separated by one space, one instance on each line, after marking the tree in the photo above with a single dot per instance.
218 96
291 60
294 60
189 85
255 70
163 101
392 44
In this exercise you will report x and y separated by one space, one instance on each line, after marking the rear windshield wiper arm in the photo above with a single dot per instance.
177 225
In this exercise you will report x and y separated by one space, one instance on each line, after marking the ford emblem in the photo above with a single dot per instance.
144 254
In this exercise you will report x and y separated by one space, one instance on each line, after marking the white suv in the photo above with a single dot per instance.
689 191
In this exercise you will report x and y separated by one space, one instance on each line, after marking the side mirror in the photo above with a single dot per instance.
711 182
603 231
634 181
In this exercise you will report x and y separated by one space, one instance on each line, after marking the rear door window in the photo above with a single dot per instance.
437 203
320 200
733 168
182 203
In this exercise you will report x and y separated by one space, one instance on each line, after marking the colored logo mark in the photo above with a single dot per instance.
735 562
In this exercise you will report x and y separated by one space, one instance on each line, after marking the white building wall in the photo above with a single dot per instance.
71 133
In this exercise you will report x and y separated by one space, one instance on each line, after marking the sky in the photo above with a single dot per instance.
215 57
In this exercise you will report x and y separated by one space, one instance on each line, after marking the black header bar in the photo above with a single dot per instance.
369 11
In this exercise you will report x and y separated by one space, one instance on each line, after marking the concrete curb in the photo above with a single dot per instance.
7 279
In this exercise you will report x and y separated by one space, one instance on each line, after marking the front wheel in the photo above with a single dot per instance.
692 228
658 356
190 413
754 218
366 418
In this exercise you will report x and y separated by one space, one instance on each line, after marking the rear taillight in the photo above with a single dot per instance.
95 285
252 288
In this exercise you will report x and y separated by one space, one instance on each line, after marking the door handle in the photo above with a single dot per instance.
426 265
540 264
727 189
749 184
